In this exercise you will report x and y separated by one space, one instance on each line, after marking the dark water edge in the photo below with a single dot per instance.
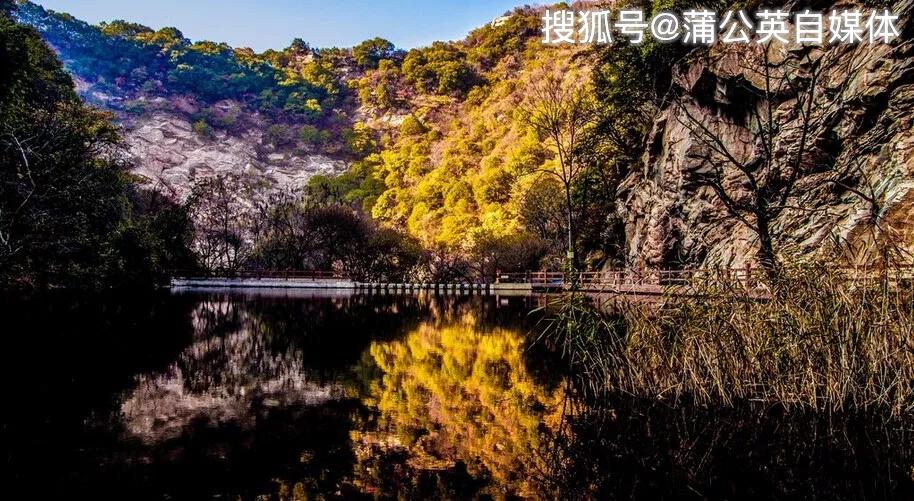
654 450
293 395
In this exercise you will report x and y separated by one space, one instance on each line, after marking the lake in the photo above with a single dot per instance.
279 394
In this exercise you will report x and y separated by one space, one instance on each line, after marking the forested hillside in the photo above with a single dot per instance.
125 65
436 139
500 153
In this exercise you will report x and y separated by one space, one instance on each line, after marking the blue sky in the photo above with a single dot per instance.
274 23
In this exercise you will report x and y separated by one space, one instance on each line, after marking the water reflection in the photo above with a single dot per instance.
454 393
221 379
284 395
427 395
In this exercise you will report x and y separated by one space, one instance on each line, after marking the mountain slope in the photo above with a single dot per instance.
191 110
432 135
435 140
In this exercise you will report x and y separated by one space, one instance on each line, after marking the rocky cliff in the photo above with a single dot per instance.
165 149
853 192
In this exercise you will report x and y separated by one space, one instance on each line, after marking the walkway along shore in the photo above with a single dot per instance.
656 282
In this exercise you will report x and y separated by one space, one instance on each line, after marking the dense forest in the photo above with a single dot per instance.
465 158
70 213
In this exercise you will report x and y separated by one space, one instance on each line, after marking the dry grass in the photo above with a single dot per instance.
822 339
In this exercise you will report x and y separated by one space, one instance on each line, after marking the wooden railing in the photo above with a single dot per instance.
630 277
747 276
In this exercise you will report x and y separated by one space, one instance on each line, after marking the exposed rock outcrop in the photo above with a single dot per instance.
856 186
165 149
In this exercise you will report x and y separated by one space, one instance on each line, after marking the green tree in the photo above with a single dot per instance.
299 46
360 140
381 88
440 68
154 241
369 53
121 28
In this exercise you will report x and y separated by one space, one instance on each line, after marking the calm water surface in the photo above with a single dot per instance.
298 395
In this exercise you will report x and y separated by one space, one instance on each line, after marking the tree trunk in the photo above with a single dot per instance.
570 223
766 256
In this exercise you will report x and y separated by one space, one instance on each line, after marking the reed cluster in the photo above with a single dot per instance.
814 336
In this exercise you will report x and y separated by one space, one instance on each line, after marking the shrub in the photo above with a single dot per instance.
135 107
312 136
412 126
202 129
360 140
278 135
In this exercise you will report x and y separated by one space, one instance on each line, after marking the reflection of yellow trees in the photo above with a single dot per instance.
468 395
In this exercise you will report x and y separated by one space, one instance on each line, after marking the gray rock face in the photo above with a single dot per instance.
165 149
865 131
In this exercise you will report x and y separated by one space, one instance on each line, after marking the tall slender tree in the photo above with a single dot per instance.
560 110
